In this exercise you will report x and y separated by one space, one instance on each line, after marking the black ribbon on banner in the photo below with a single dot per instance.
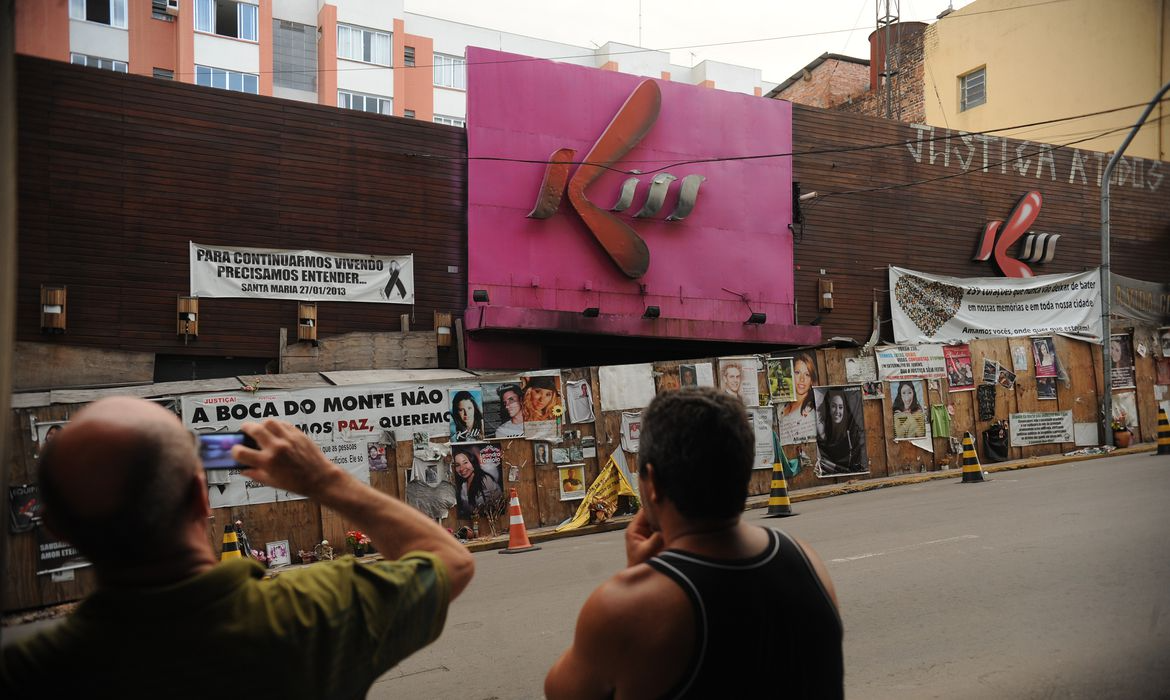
395 271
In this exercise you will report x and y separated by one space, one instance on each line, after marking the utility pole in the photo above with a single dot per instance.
1106 279
886 21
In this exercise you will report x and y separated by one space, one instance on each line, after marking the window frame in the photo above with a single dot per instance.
964 90
208 10
88 61
460 122
347 44
78 11
365 97
215 75
456 65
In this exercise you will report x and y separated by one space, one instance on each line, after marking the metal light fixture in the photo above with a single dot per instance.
591 312
757 318
480 295
442 329
52 308
651 312
187 317
307 322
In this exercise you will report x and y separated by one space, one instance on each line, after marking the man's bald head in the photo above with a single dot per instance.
118 479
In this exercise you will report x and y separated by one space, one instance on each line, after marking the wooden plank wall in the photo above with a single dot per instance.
879 206
118 172
304 523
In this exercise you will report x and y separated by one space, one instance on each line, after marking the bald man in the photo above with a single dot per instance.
124 484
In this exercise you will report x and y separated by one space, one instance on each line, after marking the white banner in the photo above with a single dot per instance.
933 308
1041 428
896 362
305 275
344 421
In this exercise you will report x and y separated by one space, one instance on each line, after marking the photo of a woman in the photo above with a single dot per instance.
541 398
797 421
909 416
511 411
476 487
466 416
840 432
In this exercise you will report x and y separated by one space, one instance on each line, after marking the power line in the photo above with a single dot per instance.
1046 149
823 151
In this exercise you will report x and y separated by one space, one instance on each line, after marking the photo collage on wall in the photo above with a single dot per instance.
796 420
840 426
1123 374
478 480
960 376
1044 359
739 377
908 406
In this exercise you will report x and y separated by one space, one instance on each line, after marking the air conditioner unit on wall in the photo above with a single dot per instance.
172 7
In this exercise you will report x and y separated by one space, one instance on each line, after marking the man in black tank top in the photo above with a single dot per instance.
708 606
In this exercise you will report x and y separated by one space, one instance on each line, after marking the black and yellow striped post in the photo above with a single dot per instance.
779 505
972 470
231 544
1163 432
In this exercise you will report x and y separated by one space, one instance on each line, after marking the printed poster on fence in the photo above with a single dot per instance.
1041 428
304 275
937 309
762 418
897 362
960 375
342 420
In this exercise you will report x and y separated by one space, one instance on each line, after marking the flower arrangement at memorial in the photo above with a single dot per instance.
357 541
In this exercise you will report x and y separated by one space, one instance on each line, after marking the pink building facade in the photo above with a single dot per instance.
714 257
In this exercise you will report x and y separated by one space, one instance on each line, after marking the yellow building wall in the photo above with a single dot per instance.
1054 60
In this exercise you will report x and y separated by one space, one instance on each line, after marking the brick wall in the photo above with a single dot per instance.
908 89
831 83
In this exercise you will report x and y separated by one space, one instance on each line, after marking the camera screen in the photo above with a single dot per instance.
215 449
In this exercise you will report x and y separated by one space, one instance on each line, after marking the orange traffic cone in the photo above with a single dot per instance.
517 533
1163 433
972 470
231 544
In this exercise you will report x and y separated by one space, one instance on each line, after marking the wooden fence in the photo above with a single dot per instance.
304 523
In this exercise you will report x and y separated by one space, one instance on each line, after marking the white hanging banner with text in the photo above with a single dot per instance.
896 362
937 309
1041 428
305 275
343 420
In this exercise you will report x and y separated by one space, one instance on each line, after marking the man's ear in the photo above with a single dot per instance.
646 486
198 497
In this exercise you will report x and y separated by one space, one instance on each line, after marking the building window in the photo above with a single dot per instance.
451 71
294 55
408 56
364 103
226 18
227 79
450 121
111 12
98 62
366 45
972 89
164 74
409 113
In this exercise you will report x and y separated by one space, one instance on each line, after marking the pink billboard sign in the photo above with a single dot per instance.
688 219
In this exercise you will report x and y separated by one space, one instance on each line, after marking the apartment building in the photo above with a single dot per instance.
1067 70
369 55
